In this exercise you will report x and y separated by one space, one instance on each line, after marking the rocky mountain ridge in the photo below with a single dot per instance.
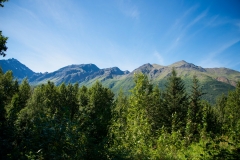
215 81
68 74
85 72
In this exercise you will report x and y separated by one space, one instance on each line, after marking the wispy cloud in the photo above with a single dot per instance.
238 25
129 9
180 28
180 20
211 61
224 47
212 20
197 19
235 64
61 12
175 43
159 57
218 21
54 10
134 13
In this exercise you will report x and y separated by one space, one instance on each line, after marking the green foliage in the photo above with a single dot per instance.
232 113
1 2
3 40
118 128
213 88
195 112
155 110
175 101
138 126
68 122
96 117
8 88
68 100
220 111
19 101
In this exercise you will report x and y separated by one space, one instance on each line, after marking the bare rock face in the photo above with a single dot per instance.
222 79
233 83
146 68
225 80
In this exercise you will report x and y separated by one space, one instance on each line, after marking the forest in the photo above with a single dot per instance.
69 121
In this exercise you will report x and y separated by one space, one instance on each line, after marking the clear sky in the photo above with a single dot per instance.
46 35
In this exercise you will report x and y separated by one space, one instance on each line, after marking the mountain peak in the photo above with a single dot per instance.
217 80
183 61
19 70
146 68
86 67
185 65
113 71
147 65
179 63
11 59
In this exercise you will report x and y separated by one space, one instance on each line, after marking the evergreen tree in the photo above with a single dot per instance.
154 110
220 111
194 119
210 122
232 113
175 102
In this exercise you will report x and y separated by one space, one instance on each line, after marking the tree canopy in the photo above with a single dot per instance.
3 40
75 122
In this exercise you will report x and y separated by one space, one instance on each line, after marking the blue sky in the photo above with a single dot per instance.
46 35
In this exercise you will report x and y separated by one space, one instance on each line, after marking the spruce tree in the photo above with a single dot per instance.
220 111
194 117
154 110
233 111
175 103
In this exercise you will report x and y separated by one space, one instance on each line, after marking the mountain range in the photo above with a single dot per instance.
214 81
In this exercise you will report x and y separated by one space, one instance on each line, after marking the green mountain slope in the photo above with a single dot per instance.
214 81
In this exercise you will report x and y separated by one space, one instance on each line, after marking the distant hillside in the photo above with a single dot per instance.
77 73
214 81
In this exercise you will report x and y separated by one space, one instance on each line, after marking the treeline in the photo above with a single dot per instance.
72 122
